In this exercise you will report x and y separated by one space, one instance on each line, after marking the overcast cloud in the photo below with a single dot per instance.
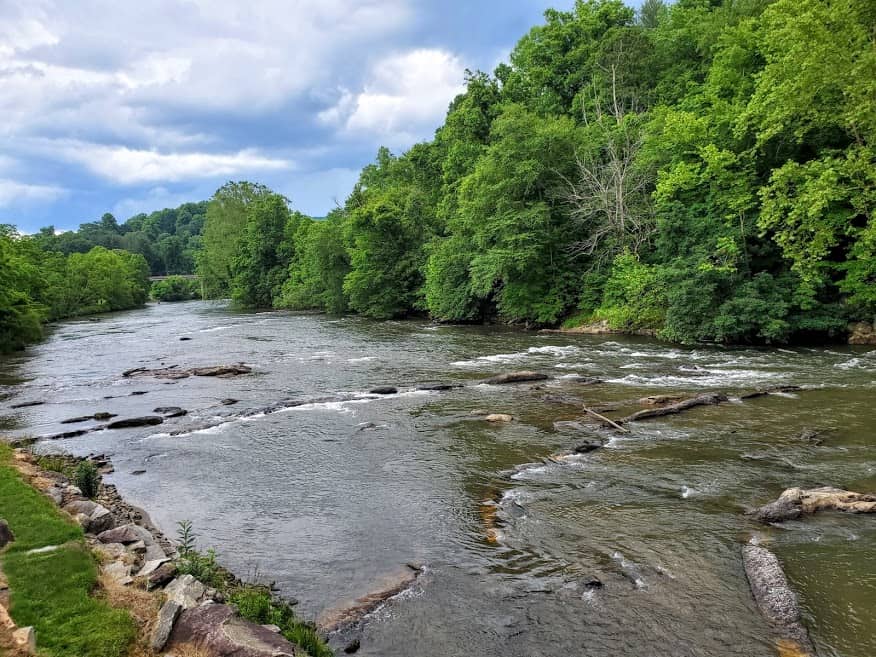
131 107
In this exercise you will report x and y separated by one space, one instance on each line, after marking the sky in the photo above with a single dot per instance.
129 107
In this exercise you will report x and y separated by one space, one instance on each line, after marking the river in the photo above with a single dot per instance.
328 498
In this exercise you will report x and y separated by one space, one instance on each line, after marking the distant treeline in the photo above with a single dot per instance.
704 169
37 286
167 239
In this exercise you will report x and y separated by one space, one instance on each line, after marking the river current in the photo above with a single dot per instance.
328 498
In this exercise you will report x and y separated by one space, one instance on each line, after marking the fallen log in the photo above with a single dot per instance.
796 502
705 399
776 600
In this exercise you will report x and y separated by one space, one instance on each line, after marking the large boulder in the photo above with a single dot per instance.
796 502
219 632
6 535
161 575
126 534
516 377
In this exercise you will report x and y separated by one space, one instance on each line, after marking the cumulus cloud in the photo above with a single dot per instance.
13 192
405 96
127 166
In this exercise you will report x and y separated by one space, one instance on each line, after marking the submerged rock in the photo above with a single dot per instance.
516 377
27 404
351 613
774 597
795 502
438 386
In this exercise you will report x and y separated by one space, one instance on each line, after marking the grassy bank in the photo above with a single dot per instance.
51 590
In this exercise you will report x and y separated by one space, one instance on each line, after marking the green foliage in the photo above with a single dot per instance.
176 288
634 295
201 566
86 478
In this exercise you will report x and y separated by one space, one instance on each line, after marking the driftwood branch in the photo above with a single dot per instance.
606 420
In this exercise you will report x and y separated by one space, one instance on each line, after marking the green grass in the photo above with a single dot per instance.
52 590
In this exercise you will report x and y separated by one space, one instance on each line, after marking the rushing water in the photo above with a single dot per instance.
326 504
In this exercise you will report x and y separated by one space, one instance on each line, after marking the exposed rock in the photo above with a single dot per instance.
351 613
774 597
167 616
220 632
593 583
100 520
76 420
126 534
499 417
137 548
110 551
184 338
118 571
862 333
104 416
185 590
352 647
151 566
6 535
75 433
273 628
795 502
25 638
229 402
138 472
85 507
27 404
589 446
438 386
161 575
383 390
516 377
172 372
155 552
170 411
56 493
128 423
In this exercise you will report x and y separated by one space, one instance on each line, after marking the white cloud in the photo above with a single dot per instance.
405 97
128 166
14 192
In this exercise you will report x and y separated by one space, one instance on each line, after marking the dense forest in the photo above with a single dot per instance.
102 266
704 169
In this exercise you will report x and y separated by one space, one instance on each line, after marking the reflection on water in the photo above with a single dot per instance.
328 497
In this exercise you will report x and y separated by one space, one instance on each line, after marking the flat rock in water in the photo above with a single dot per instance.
129 423
438 386
229 402
103 415
27 404
170 411
77 420
383 390
499 418
516 377
220 632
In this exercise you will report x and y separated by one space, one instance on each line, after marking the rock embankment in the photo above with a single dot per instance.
135 555
797 502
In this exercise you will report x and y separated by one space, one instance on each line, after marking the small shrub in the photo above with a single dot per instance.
202 567
87 478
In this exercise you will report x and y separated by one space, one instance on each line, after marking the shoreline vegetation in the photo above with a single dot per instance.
701 172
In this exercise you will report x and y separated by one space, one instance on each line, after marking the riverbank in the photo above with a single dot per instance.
95 578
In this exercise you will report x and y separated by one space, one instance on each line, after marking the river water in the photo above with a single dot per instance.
329 498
